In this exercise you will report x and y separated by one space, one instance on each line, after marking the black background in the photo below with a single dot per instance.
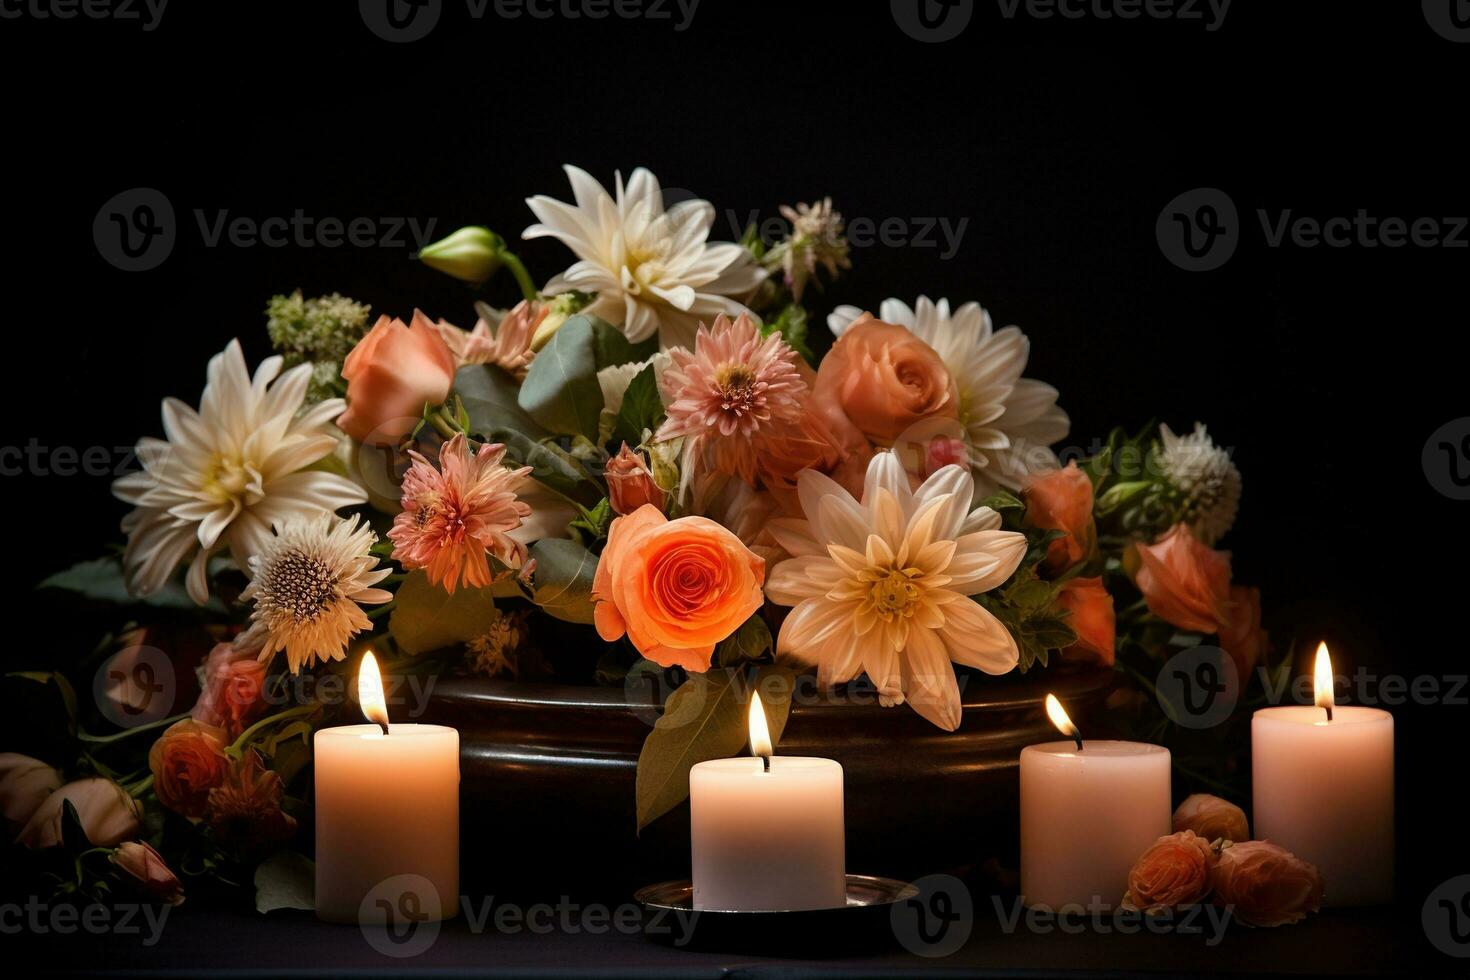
1059 142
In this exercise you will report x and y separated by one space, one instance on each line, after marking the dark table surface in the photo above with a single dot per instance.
198 941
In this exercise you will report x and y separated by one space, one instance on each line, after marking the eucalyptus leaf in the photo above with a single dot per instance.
562 582
561 390
489 395
101 580
610 346
427 617
550 465
748 644
285 880
642 409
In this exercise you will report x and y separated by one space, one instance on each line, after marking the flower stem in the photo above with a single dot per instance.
517 269
119 736
250 732
382 610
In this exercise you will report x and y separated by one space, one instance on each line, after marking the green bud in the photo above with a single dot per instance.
471 254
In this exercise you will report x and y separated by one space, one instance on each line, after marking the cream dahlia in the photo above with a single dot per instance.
228 472
654 270
1010 421
308 583
884 585
457 513
1204 477
739 402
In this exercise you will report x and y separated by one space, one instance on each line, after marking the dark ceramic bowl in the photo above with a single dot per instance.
547 791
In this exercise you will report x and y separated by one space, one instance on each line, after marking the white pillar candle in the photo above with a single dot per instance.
1087 815
1324 791
767 838
387 805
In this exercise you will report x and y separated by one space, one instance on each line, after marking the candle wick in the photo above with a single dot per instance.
1328 707
1078 739
384 726
766 761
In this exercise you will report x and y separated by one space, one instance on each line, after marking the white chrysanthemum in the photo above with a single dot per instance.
307 583
884 585
1204 475
228 472
1010 422
653 270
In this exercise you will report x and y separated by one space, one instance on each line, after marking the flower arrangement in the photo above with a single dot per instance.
642 466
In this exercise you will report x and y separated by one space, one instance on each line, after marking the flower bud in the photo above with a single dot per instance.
630 483
1212 818
471 254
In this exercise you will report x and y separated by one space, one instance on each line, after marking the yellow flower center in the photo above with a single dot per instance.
225 478
896 594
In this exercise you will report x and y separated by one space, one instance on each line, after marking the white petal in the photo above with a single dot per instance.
977 639
928 679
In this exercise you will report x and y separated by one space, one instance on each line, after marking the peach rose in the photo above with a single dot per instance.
391 375
882 379
1091 618
24 785
146 866
188 761
108 814
1177 870
1212 818
630 483
1266 885
233 681
1241 635
1061 500
675 587
1184 582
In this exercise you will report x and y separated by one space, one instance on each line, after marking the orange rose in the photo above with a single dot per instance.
1266 885
1184 582
1212 818
1177 870
107 813
391 375
675 587
1241 635
882 379
630 483
188 761
1091 618
147 867
1061 500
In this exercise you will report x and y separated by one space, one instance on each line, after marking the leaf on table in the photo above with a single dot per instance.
285 880
427 617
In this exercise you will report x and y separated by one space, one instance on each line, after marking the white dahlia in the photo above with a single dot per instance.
884 585
307 583
1204 477
228 472
653 270
1010 422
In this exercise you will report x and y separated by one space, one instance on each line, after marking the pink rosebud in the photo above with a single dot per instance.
234 678
1061 500
141 862
1185 582
109 815
945 451
24 785
1266 885
391 375
1177 870
1092 619
630 483
1212 818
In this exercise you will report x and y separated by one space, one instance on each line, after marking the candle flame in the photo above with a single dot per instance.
1323 680
760 734
1061 719
370 691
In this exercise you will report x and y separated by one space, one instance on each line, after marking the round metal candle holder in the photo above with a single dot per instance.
669 917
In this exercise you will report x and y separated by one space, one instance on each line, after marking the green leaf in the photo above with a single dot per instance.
791 324
551 465
101 580
610 346
704 719
562 582
285 880
73 834
594 524
561 390
642 409
489 396
748 644
427 617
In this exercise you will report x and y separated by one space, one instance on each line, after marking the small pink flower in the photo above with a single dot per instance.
245 807
456 514
507 346
630 484
1266 884
234 679
1212 818
146 866
107 813
1177 870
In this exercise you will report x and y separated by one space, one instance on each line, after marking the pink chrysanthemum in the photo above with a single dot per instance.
739 399
455 514
507 346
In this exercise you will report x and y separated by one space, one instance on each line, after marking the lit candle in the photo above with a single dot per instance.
387 805
1323 788
766 833
1087 812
